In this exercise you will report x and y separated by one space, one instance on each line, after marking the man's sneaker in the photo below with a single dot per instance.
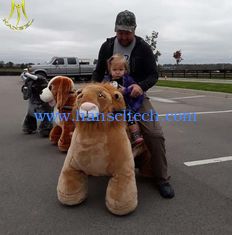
166 190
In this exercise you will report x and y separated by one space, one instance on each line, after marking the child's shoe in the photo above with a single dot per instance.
136 138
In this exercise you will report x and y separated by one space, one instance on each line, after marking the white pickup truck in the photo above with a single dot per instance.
79 69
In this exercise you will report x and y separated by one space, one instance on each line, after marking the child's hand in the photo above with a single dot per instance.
136 90
121 89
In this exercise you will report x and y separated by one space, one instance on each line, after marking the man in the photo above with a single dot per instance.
142 67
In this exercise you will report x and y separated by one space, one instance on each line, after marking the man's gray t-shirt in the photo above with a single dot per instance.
126 51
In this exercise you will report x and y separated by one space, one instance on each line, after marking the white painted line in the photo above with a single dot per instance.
154 91
171 100
209 112
208 161
188 97
176 114
215 112
162 100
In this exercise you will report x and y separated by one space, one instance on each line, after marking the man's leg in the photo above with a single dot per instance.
155 141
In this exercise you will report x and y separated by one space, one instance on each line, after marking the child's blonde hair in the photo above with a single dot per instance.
117 59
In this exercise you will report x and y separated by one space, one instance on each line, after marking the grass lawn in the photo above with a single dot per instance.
197 86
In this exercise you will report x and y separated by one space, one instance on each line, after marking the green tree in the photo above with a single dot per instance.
1 64
9 64
23 66
152 41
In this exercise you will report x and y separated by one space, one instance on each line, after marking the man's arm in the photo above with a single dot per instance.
128 81
151 69
99 72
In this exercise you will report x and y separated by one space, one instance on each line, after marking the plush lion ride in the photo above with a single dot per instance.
99 148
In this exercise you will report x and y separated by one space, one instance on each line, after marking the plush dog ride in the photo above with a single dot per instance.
32 88
61 94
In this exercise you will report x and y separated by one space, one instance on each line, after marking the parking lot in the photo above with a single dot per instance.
30 166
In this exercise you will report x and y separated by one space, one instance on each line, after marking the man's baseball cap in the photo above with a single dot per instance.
126 21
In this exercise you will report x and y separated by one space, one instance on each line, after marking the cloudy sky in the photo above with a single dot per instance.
202 29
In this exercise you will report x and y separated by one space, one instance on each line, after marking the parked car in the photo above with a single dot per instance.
79 69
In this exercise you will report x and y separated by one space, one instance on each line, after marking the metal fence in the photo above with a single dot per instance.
196 74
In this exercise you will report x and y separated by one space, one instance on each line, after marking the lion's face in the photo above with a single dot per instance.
95 99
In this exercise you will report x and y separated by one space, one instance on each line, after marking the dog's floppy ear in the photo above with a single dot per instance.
64 88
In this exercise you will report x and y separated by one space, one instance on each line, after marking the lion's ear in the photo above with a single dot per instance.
118 101
117 96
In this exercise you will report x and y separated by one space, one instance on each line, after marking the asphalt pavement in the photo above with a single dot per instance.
30 166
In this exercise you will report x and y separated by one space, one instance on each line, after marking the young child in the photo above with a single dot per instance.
118 75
